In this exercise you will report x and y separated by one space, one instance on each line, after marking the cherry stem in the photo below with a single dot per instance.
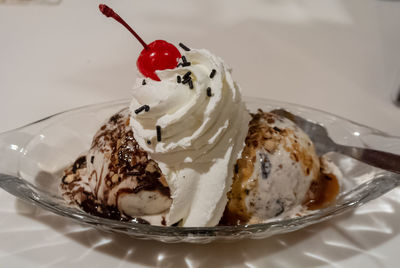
108 12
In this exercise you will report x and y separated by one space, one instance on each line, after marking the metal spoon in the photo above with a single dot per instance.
323 144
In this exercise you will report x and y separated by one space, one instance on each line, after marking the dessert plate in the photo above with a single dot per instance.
32 159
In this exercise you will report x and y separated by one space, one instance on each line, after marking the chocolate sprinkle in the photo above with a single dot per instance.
92 159
184 59
158 133
209 92
144 82
187 75
236 168
185 62
145 108
277 129
186 80
148 142
212 74
178 79
184 47
190 84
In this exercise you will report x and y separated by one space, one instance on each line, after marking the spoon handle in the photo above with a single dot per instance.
379 159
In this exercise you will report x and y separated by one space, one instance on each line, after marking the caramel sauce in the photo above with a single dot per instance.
259 135
235 211
322 192
324 187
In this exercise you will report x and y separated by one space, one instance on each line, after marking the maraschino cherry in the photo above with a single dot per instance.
158 55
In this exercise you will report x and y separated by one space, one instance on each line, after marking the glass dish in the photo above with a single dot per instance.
33 157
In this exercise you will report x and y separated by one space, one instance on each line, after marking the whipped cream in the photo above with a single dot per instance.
201 135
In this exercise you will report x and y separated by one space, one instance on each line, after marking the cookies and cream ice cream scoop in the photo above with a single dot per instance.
277 173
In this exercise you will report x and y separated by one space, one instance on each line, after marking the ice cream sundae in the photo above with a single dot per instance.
188 153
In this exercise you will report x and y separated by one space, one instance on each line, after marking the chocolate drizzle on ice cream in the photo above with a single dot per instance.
118 173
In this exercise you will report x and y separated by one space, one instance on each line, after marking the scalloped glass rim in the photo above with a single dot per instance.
376 183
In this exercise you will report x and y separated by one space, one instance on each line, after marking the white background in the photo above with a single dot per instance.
339 56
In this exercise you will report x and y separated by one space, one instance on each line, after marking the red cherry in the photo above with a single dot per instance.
158 55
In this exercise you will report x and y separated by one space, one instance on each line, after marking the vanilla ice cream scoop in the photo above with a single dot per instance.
193 123
115 179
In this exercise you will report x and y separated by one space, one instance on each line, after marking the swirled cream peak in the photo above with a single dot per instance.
202 126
